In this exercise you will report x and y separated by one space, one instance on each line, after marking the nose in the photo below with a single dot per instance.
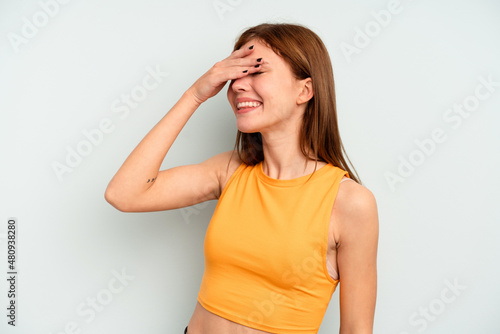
241 84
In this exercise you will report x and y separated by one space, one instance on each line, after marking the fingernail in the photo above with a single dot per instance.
251 47
245 71
259 59
257 65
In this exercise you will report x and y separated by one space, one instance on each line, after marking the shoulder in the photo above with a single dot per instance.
353 198
354 212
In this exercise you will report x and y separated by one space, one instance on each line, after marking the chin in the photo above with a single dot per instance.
247 127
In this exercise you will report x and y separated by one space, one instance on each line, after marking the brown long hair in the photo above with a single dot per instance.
307 57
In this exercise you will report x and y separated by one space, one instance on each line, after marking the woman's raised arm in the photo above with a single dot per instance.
140 186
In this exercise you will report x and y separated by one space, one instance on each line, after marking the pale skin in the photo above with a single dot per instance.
139 185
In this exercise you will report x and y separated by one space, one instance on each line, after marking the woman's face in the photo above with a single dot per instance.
275 92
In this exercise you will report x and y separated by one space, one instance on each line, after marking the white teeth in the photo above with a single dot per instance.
248 104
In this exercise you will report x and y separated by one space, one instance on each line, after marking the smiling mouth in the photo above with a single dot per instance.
247 105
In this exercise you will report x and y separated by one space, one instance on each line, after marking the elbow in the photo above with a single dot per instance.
113 197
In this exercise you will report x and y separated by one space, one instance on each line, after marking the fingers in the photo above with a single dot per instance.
243 52
242 57
247 70
237 72
239 64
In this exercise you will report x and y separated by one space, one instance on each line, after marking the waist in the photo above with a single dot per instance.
206 322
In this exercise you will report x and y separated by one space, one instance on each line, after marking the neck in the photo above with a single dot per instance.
283 158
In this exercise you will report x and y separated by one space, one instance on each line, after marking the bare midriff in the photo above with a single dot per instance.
205 322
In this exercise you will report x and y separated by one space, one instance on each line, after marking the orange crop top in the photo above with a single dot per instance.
265 250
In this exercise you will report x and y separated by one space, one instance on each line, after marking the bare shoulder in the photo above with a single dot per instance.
353 197
354 211
223 165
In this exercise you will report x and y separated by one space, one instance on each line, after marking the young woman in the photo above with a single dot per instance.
287 228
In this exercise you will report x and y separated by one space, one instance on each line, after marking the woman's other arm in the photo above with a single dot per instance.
357 231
